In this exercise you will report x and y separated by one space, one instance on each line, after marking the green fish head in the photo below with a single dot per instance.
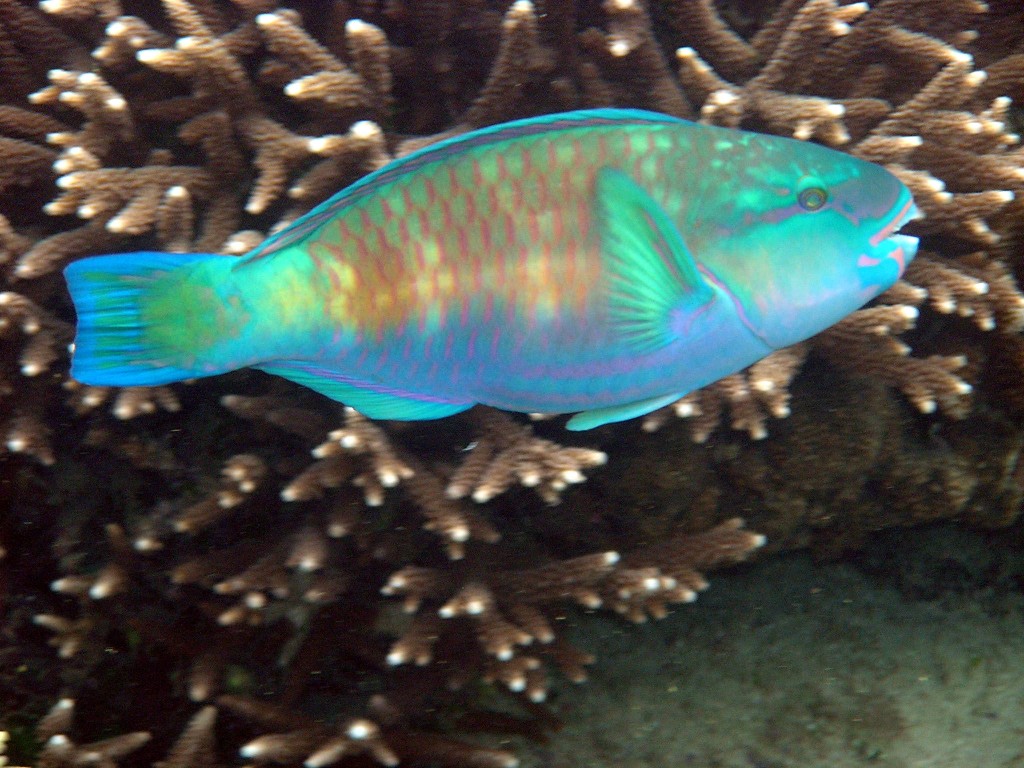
809 236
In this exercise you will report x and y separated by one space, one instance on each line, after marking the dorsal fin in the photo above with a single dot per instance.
435 153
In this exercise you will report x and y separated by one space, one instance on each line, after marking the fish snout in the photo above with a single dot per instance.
890 251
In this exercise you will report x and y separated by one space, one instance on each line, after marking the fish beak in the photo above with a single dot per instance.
890 244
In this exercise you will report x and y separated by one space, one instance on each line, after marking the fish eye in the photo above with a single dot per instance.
812 198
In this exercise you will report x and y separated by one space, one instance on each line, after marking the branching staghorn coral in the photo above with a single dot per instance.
60 751
750 397
505 606
381 738
214 537
315 568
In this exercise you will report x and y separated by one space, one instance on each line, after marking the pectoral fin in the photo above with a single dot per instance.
651 273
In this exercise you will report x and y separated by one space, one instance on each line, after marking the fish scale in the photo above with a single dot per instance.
539 281
601 261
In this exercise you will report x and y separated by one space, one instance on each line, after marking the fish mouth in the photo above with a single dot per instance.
890 243
907 213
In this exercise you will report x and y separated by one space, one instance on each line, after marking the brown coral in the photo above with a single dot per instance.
245 547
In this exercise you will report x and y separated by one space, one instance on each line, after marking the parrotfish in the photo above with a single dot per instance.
598 262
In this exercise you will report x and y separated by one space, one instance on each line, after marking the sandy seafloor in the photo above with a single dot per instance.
912 659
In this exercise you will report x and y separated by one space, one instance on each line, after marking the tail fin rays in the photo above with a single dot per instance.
136 317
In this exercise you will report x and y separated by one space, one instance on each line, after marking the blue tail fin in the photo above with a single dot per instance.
147 318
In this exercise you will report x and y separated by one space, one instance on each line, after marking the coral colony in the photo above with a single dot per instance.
207 558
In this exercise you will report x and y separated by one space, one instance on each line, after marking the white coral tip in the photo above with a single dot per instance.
365 129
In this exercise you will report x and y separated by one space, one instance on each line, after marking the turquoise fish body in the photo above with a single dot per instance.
603 262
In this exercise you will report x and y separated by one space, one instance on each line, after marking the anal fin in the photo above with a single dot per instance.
374 403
